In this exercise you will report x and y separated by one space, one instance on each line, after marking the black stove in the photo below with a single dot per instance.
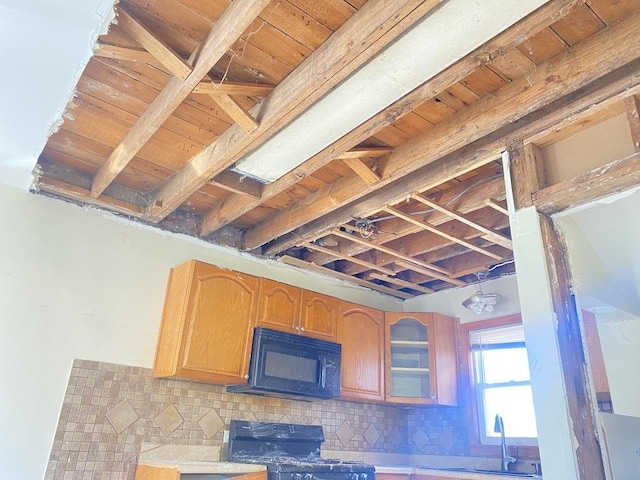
290 452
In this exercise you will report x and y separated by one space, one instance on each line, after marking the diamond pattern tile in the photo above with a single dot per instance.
122 416
420 439
447 439
344 433
396 437
169 420
371 435
211 423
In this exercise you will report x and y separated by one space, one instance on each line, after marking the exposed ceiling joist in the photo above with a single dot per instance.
222 35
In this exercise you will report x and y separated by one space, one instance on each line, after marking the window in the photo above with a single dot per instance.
498 382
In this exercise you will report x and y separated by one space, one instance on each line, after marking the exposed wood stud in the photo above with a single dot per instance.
236 183
127 54
365 153
236 18
633 117
570 71
233 208
390 251
364 263
401 283
490 202
233 88
347 278
362 170
438 231
156 47
364 34
236 112
429 273
491 235
526 171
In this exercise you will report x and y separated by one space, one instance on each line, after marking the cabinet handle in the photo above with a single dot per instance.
301 329
246 377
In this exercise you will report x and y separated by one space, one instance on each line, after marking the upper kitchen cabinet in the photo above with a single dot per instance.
207 324
361 333
291 309
420 359
318 316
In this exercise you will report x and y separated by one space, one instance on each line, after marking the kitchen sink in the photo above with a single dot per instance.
488 472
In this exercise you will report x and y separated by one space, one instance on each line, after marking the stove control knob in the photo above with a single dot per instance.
308 476
363 476
297 476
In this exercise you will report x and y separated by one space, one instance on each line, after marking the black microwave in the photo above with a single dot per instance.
292 366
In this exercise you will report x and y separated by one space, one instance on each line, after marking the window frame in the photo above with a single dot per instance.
470 393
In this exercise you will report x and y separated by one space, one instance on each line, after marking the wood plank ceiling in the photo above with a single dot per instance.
409 202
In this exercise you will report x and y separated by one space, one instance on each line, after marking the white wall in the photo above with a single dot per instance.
449 302
79 283
44 46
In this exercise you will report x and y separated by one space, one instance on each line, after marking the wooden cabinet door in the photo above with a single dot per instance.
361 333
421 359
207 324
279 306
318 316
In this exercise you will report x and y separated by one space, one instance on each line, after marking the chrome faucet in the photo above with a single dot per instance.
505 459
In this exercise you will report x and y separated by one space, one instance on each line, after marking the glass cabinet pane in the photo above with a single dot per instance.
410 359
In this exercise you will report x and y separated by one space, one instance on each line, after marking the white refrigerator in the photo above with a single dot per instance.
622 443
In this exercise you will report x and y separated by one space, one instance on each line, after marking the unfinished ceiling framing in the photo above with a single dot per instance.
409 201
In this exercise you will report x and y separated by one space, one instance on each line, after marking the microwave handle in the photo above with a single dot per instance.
323 373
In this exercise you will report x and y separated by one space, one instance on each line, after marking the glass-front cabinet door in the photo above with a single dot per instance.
413 356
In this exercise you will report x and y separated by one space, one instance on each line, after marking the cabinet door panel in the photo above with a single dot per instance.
421 358
318 316
279 306
220 326
361 333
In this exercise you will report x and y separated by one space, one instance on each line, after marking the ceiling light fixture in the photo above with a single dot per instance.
482 302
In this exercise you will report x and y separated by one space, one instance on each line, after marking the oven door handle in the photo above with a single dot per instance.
323 373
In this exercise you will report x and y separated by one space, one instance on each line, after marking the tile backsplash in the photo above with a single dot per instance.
110 410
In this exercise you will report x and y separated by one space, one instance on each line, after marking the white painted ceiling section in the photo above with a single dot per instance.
452 31
44 46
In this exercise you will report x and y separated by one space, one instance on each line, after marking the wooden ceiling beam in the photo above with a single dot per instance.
365 153
235 19
440 232
429 273
475 192
633 118
512 102
239 115
432 248
607 180
497 206
341 256
389 251
234 207
127 54
347 278
361 169
152 44
364 34
236 183
233 88
604 93
400 282
489 234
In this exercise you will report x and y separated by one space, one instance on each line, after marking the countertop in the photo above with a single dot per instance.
205 466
